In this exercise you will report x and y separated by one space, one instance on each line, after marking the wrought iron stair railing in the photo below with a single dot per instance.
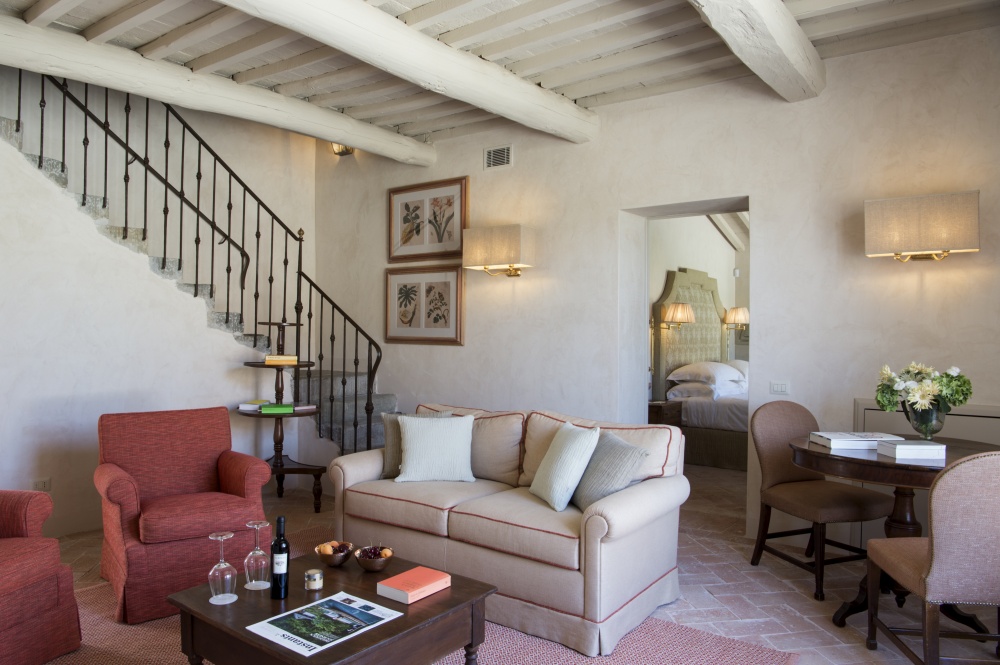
193 185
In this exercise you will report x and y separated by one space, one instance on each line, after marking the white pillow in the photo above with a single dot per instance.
709 372
691 389
436 449
564 463
741 365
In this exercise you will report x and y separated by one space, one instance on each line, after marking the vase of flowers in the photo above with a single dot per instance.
924 394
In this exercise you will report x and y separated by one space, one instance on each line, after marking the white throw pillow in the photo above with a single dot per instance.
709 372
392 452
436 449
564 463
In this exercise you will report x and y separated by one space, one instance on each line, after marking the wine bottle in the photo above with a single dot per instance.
279 562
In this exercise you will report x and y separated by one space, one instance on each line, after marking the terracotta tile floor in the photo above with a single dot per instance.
721 592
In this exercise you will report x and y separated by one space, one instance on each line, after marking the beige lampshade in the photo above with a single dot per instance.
497 247
678 312
737 315
922 225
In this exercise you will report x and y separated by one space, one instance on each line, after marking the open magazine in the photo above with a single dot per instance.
311 628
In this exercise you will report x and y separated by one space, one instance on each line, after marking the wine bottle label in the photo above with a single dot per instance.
280 564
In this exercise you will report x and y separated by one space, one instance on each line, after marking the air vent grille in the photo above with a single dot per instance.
498 157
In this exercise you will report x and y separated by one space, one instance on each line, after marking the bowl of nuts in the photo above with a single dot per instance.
333 553
374 557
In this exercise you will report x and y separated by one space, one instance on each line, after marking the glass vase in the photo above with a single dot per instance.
927 422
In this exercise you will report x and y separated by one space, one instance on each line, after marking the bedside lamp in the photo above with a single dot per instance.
676 315
737 318
505 249
922 227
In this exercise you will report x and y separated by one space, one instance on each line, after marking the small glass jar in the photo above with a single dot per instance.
314 579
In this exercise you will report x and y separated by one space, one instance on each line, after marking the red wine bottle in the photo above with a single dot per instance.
279 562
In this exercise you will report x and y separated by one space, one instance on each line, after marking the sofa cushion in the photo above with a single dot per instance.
419 506
563 465
518 522
182 516
611 468
496 441
662 441
436 449
392 452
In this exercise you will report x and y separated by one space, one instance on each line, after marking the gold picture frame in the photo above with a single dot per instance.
424 305
427 221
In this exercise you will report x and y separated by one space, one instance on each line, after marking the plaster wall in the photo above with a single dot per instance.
690 242
90 329
914 119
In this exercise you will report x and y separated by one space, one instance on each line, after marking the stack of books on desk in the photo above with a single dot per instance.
912 450
852 440
253 406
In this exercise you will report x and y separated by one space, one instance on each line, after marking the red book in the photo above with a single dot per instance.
414 584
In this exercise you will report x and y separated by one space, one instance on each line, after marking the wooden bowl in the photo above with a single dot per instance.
337 558
373 565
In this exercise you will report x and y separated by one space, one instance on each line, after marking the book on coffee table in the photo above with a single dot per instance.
414 584
912 449
852 440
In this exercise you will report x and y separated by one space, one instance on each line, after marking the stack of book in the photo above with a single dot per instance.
852 440
253 406
915 450
277 360
276 409
414 584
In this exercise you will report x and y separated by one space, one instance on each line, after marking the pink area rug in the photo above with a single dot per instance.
654 642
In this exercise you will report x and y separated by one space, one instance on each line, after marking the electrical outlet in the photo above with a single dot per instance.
43 485
779 388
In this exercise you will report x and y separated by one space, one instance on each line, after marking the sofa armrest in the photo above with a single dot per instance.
624 512
243 475
22 513
349 470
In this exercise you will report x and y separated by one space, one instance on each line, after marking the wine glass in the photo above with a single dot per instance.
222 577
257 565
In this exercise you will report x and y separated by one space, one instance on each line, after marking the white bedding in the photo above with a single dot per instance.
729 413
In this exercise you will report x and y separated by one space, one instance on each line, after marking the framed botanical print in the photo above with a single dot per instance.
426 220
424 305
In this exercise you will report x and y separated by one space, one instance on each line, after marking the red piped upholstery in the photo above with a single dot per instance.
168 479
36 589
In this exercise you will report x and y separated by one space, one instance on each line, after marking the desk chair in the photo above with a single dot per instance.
804 494
958 563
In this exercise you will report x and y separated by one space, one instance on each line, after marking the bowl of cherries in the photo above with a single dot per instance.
333 553
374 557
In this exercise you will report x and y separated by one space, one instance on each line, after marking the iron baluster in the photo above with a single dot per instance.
270 277
343 385
356 363
17 123
298 311
180 213
243 238
62 157
86 143
256 283
309 317
41 122
284 286
145 186
107 129
166 189
215 181
229 230
369 392
197 227
128 162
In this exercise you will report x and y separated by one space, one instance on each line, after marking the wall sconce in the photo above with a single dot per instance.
503 248
676 315
737 318
342 150
922 227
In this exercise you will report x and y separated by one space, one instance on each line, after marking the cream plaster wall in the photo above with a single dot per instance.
690 242
914 119
90 329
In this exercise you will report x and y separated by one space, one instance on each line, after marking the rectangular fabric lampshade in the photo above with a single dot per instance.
923 226
497 248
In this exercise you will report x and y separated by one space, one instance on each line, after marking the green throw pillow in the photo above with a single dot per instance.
563 465
611 468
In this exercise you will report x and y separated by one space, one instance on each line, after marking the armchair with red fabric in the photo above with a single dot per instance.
36 588
168 479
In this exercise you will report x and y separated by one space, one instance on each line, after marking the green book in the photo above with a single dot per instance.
277 408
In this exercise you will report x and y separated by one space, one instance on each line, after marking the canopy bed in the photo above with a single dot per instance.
691 366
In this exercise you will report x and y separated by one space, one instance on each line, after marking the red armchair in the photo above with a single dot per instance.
36 588
168 479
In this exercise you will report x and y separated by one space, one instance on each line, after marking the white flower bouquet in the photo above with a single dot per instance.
920 388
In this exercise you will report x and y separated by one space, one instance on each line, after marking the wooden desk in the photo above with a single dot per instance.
870 467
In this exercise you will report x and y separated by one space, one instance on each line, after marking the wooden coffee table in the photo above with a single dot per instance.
428 630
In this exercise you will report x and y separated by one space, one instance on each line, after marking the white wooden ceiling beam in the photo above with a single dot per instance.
44 12
727 224
268 39
595 19
449 107
363 94
683 82
406 104
62 54
196 31
878 17
506 21
665 48
337 79
768 39
310 57
438 11
446 122
466 130
372 36
128 17
680 19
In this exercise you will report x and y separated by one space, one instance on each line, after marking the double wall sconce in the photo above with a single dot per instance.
737 318
342 150
676 315
922 227
505 249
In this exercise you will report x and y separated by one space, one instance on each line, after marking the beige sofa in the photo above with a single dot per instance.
583 579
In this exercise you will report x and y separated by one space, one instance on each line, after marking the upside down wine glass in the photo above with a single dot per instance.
222 577
257 565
